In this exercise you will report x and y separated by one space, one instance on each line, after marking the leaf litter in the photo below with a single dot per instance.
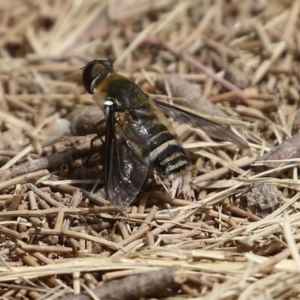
60 236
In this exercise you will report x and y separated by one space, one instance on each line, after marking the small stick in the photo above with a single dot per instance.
164 227
225 218
233 209
23 178
22 228
4 203
12 234
262 35
30 261
36 165
149 239
142 230
168 199
41 257
44 249
191 60
143 216
137 286
266 65
230 96
59 220
215 174
123 230
290 25
32 200
44 196
74 244
286 150
20 26
54 211
15 201
143 203
182 88
44 231
87 237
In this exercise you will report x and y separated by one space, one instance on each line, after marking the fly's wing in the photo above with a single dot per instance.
213 129
126 159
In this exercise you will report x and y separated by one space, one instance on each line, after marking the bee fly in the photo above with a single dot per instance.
139 134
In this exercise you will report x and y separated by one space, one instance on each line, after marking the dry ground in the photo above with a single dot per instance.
239 239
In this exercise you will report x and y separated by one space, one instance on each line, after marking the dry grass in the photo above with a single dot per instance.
239 239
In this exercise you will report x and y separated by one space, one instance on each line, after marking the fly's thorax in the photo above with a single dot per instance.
99 97
103 90
128 97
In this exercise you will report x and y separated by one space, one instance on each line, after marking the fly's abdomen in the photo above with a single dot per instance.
166 154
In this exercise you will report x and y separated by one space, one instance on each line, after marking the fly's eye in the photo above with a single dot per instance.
91 73
97 69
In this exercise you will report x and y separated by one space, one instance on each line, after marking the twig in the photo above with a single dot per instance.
137 286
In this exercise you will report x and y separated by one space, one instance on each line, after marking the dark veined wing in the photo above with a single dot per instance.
213 129
126 159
